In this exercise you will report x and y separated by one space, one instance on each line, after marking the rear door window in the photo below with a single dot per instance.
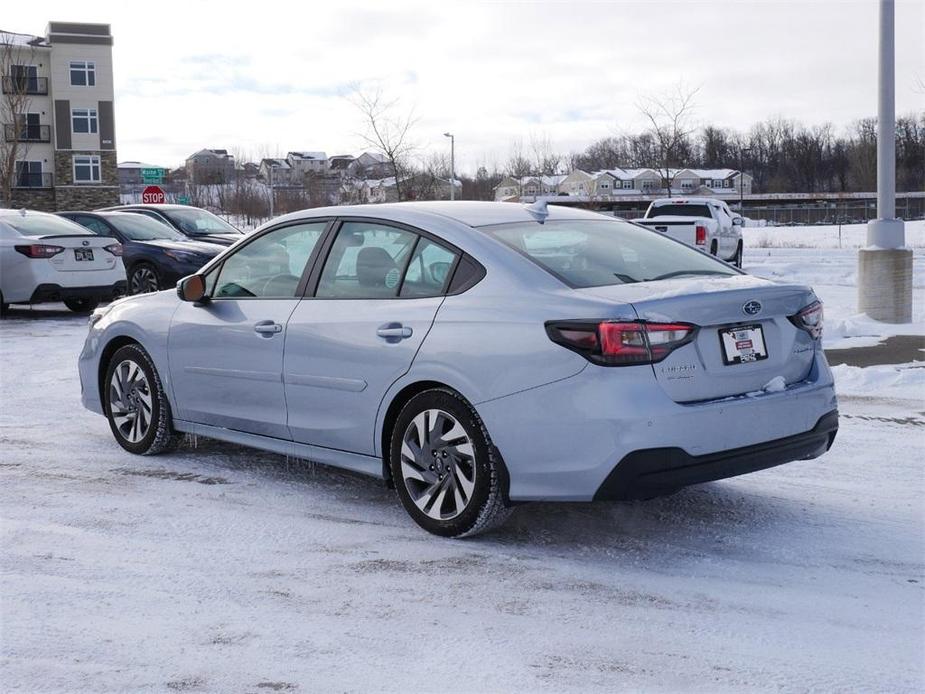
367 261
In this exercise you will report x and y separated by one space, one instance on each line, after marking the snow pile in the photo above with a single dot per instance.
823 236
895 381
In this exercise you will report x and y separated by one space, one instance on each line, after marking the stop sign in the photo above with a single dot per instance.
152 195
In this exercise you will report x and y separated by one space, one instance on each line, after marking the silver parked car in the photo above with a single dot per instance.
475 355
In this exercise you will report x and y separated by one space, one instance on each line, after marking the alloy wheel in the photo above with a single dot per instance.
144 280
438 464
130 401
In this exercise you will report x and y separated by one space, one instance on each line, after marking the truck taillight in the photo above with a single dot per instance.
621 343
39 250
701 238
810 319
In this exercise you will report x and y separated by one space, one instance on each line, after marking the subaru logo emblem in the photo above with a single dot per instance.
85 243
752 307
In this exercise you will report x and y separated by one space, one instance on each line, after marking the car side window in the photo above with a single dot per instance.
366 261
270 266
429 270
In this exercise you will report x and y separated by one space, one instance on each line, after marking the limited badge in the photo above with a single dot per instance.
391 278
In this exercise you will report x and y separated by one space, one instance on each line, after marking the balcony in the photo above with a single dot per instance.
27 133
33 180
35 86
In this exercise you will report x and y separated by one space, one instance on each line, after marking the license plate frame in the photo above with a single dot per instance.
746 347
83 255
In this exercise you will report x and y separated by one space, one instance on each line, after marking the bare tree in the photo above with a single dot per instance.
669 116
14 105
546 160
387 129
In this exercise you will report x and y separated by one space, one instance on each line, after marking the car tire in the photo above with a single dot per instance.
449 489
143 279
714 247
4 307
135 403
82 305
737 258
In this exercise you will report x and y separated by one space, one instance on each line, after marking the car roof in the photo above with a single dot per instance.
470 213
142 206
684 199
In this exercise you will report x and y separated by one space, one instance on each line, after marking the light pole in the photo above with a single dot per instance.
452 165
885 266
270 173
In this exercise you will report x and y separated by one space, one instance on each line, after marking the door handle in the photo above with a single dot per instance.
268 327
395 330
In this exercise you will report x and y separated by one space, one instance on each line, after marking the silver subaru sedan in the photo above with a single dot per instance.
473 356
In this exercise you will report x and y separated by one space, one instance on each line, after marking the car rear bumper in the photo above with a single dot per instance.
55 292
562 441
656 471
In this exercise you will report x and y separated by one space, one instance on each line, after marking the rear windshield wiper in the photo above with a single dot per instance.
679 273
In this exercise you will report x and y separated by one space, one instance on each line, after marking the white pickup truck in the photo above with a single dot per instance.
704 223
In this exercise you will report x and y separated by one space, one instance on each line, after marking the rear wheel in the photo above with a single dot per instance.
4 307
83 305
135 403
713 247
446 470
737 260
144 279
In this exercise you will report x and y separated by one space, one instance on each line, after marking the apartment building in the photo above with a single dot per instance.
57 92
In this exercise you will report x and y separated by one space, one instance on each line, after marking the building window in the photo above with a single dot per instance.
727 183
687 185
86 168
83 73
605 186
83 120
627 185
717 183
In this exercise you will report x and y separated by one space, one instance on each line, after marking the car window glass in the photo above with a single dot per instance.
93 224
428 271
598 253
143 228
366 262
271 265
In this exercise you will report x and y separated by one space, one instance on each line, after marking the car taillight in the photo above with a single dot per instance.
39 250
701 238
618 343
115 249
810 319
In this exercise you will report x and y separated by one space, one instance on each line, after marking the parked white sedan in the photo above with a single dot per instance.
46 258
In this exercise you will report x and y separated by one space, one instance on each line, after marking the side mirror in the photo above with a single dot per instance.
738 221
192 288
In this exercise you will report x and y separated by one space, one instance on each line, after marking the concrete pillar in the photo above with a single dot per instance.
885 266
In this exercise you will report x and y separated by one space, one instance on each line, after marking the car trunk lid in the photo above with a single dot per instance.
698 371
81 252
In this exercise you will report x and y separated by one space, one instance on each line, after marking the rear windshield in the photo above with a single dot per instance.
592 253
32 224
679 210
194 221
140 228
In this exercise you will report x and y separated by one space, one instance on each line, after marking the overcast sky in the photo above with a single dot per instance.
273 76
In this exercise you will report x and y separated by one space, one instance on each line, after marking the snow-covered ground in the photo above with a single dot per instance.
221 569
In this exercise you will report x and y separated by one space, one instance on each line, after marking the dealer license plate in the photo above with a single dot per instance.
743 344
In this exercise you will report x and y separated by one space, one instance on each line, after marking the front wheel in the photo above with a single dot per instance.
144 279
136 404
445 468
83 305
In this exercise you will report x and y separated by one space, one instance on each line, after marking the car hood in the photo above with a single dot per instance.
219 239
209 249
